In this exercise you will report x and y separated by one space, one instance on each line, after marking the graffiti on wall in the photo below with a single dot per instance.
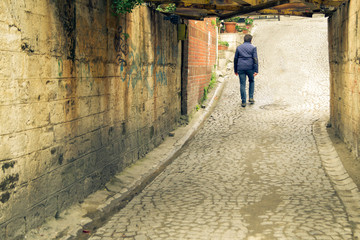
161 74
137 69
121 46
140 69
60 67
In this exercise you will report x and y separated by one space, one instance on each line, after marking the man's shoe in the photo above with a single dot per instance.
251 100
243 104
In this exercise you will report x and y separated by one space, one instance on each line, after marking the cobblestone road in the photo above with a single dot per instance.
254 172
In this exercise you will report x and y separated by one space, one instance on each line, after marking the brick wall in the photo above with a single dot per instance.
199 61
83 94
344 54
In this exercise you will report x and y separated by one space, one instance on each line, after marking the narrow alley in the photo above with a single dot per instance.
253 172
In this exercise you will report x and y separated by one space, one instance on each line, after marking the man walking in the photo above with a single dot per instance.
246 64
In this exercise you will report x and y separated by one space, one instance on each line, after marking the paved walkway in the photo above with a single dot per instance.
254 172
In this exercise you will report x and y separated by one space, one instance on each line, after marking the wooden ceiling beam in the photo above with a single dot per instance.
250 9
285 12
221 7
199 9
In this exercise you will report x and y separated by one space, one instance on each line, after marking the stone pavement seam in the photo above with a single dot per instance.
99 206
345 187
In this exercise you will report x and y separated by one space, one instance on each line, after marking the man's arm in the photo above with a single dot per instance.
236 61
256 62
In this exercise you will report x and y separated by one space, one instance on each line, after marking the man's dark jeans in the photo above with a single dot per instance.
242 76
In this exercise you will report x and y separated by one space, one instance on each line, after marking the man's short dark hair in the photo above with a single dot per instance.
247 38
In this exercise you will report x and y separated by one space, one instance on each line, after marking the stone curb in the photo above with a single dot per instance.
80 220
345 187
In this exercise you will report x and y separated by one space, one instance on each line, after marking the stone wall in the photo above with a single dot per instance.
344 55
199 61
83 94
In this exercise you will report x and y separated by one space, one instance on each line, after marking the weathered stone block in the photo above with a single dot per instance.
14 204
68 196
16 229
10 39
41 187
91 183
95 140
64 131
51 206
12 146
5 66
35 216
5 14
34 115
90 161
56 112
39 138
3 226
9 119
8 92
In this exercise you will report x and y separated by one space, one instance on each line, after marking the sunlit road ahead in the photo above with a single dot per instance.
254 172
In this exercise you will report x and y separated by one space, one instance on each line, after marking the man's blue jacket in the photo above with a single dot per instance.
246 58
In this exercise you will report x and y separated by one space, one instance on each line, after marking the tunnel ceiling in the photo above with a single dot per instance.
199 9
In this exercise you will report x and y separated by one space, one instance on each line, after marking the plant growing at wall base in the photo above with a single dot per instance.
210 86
212 81
204 97
124 6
